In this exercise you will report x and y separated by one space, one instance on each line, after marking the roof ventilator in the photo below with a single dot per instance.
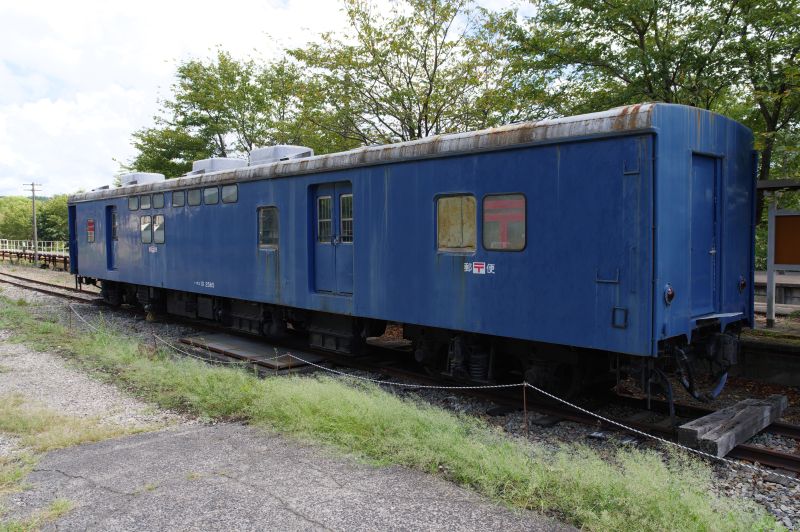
216 164
140 178
281 152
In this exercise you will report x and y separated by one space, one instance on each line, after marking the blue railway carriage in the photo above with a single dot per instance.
544 248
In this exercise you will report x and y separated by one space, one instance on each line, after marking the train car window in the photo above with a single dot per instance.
268 227
324 219
179 198
504 222
456 223
146 226
346 218
230 194
211 195
144 201
90 230
158 228
158 200
133 203
195 195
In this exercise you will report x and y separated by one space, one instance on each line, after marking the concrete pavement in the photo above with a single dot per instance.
235 477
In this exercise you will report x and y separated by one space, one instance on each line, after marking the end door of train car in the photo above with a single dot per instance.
703 233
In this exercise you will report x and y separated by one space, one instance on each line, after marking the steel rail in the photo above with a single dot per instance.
51 292
44 283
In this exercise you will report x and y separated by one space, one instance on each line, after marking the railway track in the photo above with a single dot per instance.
511 399
49 288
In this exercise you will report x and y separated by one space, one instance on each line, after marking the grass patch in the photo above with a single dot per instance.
633 490
44 430
40 430
13 470
57 508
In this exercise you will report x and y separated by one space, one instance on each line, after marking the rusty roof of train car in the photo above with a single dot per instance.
618 120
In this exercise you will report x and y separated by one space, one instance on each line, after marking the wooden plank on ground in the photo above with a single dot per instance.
252 350
719 432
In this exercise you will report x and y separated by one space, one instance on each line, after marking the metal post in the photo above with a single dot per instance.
771 263
525 406
35 229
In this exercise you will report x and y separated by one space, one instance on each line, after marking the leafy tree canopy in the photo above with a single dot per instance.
52 218
428 67
737 57
435 66
16 218
225 107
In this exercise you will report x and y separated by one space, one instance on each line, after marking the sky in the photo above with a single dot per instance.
77 78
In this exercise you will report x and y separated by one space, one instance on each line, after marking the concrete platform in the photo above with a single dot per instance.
234 477
781 279
252 349
780 309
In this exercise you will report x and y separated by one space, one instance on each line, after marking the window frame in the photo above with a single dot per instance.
342 219
320 220
273 246
462 250
163 229
133 198
153 200
483 222
149 202
206 189
150 229
222 193
91 233
189 196
114 222
182 194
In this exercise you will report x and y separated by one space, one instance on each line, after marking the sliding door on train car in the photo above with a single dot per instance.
111 237
333 238
704 257
72 215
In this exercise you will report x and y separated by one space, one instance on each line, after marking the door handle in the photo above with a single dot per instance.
335 240
712 251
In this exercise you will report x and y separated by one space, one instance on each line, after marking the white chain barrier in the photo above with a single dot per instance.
403 384
488 386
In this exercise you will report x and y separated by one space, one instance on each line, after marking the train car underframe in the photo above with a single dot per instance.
461 356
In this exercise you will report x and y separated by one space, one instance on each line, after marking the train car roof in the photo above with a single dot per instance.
621 120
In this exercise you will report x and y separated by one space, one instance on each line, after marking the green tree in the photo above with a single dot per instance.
738 57
615 52
167 150
52 219
769 44
225 107
429 67
16 218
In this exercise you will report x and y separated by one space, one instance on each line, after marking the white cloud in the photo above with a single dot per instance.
77 78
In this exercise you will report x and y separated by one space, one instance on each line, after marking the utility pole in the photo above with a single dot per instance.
35 230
